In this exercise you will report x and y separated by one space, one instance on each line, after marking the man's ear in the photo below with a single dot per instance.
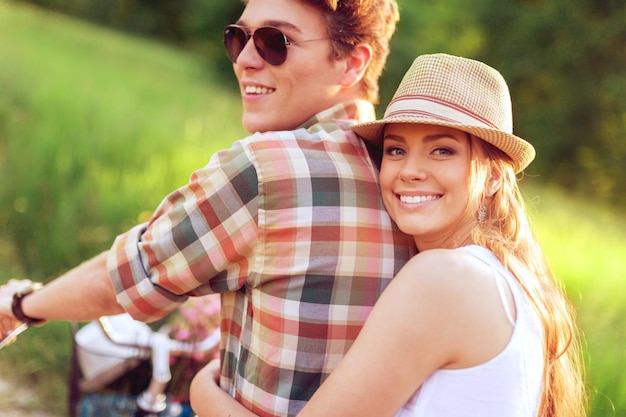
493 182
356 62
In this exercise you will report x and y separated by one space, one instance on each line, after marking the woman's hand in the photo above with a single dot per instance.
209 375
208 399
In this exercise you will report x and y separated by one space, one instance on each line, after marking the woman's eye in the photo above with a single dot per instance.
443 151
394 151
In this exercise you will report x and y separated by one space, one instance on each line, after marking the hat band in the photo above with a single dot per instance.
431 108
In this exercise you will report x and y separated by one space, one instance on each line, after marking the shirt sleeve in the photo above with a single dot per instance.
199 240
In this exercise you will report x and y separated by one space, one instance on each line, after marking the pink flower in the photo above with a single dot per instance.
196 319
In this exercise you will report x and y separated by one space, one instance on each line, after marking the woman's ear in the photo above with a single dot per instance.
493 181
356 62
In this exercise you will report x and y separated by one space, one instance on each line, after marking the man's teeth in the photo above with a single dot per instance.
252 89
417 198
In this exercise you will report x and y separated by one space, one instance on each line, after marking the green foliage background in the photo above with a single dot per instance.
565 61
97 126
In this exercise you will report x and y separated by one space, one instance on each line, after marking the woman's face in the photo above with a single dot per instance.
425 183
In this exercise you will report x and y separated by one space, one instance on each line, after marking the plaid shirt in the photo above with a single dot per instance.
290 227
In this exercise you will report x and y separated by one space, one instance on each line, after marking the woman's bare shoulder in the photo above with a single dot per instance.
448 267
458 292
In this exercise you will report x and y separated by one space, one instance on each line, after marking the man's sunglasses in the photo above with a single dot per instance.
270 43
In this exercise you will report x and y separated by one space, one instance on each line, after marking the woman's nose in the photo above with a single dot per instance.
412 170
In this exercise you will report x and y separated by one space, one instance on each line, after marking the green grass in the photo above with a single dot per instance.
586 245
96 127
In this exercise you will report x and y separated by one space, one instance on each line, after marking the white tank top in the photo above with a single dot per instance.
508 385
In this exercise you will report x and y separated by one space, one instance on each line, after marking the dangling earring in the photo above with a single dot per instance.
482 213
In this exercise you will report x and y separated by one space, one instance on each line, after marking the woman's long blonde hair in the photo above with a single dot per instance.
506 231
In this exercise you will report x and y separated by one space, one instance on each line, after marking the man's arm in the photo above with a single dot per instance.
81 294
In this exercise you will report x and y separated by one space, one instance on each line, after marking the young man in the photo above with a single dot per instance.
287 225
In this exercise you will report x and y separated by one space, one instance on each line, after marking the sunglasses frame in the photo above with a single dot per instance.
260 45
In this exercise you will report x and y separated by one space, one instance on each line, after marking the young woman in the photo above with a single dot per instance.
475 324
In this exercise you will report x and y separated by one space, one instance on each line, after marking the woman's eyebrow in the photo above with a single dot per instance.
394 137
432 138
427 138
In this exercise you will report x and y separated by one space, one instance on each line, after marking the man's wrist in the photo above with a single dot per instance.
16 305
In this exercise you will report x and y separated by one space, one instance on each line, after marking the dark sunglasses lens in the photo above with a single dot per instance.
270 44
234 41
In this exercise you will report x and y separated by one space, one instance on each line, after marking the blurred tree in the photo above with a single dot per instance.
429 26
565 62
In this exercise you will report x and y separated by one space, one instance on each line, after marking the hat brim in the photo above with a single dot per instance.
518 149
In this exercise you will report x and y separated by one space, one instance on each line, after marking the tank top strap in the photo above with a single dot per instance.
488 258
503 298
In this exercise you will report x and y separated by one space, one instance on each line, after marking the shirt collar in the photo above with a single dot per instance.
355 111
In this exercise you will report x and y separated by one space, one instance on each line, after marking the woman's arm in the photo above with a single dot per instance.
408 335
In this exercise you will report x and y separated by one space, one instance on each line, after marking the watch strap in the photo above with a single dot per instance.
16 305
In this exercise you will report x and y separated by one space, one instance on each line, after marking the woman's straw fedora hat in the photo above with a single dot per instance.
462 93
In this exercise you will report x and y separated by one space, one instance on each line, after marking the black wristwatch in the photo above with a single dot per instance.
16 305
